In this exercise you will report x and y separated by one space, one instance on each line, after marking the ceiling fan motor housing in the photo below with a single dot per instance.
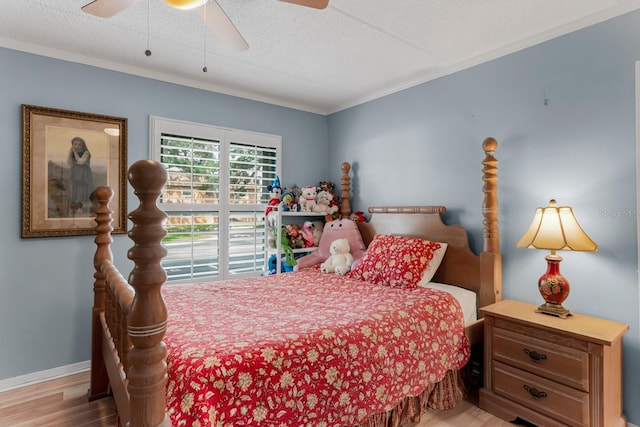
185 4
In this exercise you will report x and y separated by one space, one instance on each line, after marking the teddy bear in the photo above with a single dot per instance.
323 203
338 229
340 260
307 199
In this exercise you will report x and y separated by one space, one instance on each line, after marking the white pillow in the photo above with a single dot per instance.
433 265
466 298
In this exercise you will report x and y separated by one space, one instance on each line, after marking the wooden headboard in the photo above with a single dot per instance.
461 267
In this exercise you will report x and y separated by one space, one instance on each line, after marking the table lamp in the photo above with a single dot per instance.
555 228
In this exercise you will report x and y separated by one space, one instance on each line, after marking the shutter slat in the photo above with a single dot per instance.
192 200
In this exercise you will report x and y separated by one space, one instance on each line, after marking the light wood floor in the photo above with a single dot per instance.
63 402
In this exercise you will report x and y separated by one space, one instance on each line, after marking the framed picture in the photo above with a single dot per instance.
66 155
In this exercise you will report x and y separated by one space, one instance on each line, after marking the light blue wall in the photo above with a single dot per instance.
46 284
563 113
418 146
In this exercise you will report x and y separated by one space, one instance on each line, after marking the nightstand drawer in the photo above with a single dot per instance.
552 361
562 403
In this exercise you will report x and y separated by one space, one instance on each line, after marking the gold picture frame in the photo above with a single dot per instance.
65 156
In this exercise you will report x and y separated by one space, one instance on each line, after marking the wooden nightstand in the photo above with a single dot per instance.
550 371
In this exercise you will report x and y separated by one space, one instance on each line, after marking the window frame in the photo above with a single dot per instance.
159 126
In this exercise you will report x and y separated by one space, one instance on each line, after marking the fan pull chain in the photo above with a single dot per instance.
148 51
204 68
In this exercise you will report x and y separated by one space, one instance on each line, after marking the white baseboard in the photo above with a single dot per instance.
49 374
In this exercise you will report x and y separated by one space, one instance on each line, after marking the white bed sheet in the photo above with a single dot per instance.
465 297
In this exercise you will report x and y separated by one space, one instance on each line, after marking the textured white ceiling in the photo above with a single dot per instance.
314 60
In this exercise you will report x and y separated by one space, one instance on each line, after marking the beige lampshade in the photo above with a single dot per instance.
556 228
185 4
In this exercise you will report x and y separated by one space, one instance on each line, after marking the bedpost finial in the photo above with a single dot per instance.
489 145
345 167
102 193
145 175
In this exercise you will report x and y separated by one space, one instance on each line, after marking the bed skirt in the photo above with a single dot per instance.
442 395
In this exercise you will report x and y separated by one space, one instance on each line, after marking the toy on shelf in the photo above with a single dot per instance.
307 199
294 236
287 250
289 202
307 234
275 195
323 203
316 228
272 265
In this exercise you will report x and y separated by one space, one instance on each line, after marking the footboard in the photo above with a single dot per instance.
127 354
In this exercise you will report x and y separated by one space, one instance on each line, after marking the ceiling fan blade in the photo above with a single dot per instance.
106 8
316 4
217 21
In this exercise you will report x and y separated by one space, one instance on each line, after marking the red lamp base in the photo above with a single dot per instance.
554 288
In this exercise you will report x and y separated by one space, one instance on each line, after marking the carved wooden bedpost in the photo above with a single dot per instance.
100 199
345 194
147 374
490 258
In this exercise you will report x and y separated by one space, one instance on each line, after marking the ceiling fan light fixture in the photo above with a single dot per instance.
185 4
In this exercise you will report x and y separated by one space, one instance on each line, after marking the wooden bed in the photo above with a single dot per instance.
129 319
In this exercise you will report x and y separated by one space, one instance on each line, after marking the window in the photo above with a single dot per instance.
215 197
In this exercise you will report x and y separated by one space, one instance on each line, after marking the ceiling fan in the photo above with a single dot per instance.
214 17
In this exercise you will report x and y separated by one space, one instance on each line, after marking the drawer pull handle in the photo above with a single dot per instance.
535 393
534 355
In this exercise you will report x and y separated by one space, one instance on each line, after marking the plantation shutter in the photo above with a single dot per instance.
215 198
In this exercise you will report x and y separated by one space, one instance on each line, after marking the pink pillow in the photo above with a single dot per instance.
333 230
396 261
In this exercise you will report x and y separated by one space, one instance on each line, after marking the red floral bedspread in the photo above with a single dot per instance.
304 348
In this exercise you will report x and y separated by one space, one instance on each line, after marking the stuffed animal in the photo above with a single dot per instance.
307 234
326 186
338 229
340 260
275 195
316 229
271 235
295 238
289 203
323 203
287 250
358 217
272 265
329 187
296 191
307 199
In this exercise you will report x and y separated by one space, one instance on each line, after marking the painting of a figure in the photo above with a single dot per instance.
66 156
76 163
